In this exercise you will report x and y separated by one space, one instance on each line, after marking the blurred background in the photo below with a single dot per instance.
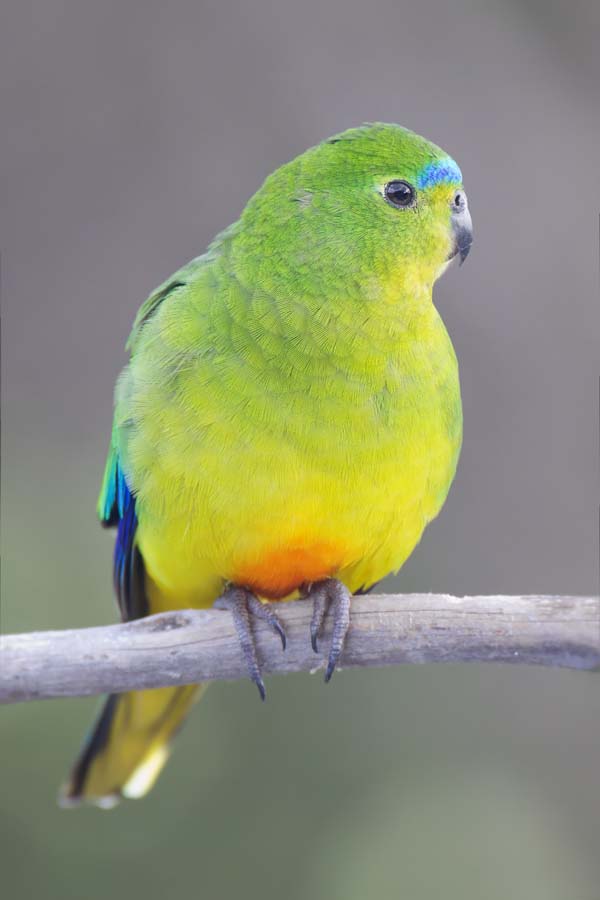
132 133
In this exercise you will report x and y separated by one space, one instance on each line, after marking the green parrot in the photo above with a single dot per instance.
289 420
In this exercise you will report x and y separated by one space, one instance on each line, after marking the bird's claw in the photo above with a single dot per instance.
328 595
244 605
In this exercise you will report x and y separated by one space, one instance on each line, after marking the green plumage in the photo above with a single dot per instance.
291 410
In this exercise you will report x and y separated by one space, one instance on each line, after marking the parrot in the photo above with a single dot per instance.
289 419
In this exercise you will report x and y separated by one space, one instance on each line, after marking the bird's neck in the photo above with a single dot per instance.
377 319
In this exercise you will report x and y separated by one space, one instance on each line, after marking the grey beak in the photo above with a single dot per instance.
462 227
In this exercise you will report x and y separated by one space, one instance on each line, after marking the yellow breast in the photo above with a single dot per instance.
338 484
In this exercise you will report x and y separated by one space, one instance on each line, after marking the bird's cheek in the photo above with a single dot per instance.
439 244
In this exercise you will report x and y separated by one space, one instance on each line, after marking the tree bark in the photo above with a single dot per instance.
201 645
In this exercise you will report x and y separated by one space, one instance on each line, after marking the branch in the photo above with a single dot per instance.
201 645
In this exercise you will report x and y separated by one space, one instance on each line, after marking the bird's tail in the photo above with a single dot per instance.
128 746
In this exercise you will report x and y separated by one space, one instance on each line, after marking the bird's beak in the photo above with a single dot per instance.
462 227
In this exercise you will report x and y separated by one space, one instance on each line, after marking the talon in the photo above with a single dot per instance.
281 633
265 612
243 604
335 595
261 688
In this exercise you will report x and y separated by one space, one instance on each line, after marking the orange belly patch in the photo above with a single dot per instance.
282 571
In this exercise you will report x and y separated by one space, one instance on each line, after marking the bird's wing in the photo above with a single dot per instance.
116 503
116 507
149 307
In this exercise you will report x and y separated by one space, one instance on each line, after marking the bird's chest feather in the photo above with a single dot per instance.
274 482
360 486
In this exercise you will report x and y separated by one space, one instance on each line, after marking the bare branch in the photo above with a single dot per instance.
201 645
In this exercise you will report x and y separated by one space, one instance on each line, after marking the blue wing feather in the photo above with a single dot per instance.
116 506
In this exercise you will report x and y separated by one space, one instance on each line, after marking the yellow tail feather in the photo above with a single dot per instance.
128 746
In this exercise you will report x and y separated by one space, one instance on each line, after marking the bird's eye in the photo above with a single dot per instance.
399 193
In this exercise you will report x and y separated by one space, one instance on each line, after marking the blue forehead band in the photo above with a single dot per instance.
442 170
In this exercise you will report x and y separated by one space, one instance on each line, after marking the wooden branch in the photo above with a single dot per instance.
201 645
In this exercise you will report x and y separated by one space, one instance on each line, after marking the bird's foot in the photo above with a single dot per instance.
328 595
244 605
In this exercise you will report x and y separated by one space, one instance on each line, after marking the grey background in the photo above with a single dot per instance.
132 133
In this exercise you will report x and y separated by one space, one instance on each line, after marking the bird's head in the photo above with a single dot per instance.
377 211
